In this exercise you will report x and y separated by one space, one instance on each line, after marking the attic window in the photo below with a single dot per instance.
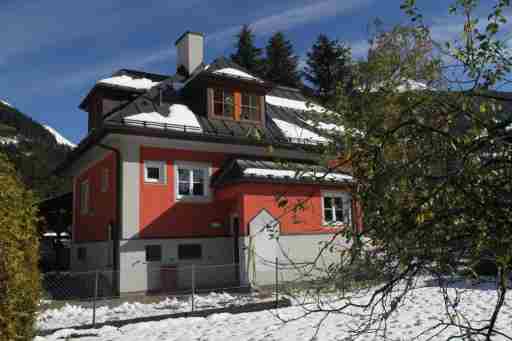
235 105
224 103
250 107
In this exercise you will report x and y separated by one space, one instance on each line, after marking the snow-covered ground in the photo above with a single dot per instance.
74 315
60 139
423 310
6 103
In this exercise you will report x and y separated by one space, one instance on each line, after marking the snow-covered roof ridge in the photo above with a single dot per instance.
58 137
236 73
129 82
298 134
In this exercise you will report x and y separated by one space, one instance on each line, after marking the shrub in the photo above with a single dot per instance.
19 251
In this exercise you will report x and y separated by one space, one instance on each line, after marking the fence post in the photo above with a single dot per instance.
193 285
277 283
96 275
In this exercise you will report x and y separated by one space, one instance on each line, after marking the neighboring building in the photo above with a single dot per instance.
189 169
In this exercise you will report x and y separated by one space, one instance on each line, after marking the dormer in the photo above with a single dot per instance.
111 93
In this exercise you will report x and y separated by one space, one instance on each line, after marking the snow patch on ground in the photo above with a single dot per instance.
298 134
179 115
282 173
129 82
74 315
236 73
422 311
60 139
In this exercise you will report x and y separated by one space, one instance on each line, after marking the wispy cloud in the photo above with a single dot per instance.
305 14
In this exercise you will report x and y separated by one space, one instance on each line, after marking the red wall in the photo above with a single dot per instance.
93 226
300 221
161 216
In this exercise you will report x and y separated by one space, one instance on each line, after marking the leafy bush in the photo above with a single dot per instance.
19 249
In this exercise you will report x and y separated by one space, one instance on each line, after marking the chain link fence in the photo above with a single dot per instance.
86 298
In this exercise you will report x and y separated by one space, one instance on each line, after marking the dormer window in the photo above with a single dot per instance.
224 103
235 105
250 107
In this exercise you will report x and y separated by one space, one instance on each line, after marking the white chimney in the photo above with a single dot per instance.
190 51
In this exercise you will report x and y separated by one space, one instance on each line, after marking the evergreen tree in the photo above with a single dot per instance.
247 55
327 66
281 63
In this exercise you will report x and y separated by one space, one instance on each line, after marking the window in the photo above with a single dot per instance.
104 179
81 253
224 103
336 208
84 197
189 251
154 172
250 107
192 180
153 253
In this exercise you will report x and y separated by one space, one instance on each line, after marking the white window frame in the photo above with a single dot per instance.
85 193
105 180
162 177
206 197
346 198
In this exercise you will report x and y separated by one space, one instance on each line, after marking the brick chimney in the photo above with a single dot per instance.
189 46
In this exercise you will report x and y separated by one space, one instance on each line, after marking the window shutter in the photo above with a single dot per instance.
262 109
209 101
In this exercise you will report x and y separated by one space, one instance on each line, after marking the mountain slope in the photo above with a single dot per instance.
59 138
34 150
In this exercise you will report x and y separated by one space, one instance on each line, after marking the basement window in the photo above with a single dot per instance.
189 251
154 172
153 253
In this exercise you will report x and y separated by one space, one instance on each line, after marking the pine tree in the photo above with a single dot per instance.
327 66
247 55
281 63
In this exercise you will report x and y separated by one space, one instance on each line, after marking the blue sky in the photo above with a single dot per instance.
52 52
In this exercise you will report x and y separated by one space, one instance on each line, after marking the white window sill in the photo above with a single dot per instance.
194 199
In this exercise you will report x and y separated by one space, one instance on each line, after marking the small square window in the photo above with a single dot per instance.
153 253
154 172
81 253
190 251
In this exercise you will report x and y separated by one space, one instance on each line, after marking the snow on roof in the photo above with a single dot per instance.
282 173
237 73
6 103
293 104
179 116
294 132
129 82
58 137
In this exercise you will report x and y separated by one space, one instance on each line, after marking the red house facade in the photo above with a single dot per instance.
194 168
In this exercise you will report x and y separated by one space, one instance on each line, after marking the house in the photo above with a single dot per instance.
194 169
